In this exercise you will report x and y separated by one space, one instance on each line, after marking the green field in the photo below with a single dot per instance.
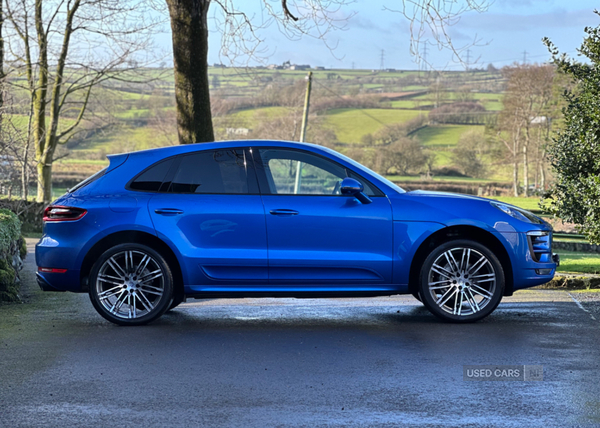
579 262
350 125
439 178
445 136
525 203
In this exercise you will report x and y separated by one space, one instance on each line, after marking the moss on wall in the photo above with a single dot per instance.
12 249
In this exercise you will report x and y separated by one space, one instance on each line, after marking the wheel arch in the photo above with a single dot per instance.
138 237
461 232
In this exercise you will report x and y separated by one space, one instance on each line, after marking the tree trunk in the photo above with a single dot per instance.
525 171
542 172
44 182
515 155
39 101
516 177
189 26
1 56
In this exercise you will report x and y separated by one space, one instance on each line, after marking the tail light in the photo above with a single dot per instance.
60 213
51 270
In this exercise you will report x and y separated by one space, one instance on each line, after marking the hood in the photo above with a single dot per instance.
457 209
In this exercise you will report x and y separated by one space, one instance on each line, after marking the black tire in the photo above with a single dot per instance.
127 277
175 302
458 270
417 296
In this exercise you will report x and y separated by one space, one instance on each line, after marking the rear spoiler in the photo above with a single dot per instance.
116 160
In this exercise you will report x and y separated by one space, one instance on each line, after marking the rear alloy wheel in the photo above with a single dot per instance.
131 284
461 281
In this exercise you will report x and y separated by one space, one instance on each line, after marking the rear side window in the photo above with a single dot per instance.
214 171
151 179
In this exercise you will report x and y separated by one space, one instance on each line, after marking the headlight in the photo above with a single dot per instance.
518 213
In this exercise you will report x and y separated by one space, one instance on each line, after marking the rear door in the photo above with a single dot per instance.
210 209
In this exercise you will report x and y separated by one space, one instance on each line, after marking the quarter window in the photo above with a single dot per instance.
151 179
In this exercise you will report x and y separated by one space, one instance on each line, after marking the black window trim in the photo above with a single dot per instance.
262 180
250 172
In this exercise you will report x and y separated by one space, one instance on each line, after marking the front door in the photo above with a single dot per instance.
210 210
315 235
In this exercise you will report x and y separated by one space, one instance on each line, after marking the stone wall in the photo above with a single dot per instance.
12 252
578 247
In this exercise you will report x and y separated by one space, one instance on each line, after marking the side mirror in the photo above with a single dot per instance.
352 187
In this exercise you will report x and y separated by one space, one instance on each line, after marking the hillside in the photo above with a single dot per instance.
346 106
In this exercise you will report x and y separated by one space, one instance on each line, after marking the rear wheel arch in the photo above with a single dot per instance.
133 236
461 232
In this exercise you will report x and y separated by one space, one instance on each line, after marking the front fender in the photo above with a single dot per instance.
408 237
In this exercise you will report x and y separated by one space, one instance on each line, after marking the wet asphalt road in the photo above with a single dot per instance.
286 362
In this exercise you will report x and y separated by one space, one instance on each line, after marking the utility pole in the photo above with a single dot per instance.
298 181
524 57
425 56
352 65
306 106
381 63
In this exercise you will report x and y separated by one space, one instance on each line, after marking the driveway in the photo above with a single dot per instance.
296 362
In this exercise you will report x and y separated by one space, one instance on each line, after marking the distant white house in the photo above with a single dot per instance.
237 131
540 120
299 67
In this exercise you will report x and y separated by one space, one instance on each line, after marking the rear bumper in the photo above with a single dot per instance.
43 284
68 281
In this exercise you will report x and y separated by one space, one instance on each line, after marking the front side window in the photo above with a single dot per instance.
212 171
291 172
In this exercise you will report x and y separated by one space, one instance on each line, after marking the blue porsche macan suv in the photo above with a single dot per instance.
280 219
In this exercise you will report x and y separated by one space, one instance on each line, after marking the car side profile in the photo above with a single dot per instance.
280 219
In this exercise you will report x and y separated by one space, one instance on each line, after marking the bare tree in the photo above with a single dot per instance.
526 112
59 51
241 37
468 154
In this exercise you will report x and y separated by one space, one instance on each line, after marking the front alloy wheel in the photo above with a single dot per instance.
461 281
131 284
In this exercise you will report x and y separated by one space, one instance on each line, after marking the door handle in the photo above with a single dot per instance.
284 212
168 211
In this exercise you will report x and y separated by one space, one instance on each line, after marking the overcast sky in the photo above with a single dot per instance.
506 30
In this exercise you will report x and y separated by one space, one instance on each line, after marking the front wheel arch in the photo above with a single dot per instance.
133 236
461 232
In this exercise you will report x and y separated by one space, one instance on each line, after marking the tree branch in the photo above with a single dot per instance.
286 11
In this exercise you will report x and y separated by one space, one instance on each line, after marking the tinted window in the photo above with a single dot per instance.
151 179
291 172
215 171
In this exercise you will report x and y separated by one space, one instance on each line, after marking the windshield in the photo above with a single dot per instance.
367 170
